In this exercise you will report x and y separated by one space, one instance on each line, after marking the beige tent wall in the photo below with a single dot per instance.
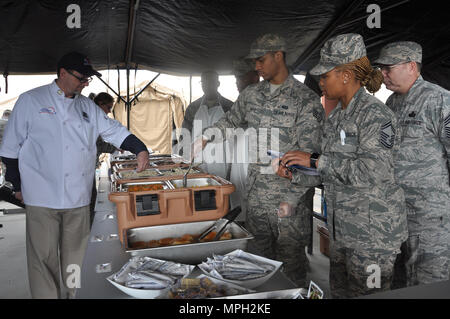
157 112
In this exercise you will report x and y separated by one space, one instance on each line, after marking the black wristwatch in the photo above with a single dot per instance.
313 160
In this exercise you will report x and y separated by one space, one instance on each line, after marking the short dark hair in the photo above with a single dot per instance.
103 98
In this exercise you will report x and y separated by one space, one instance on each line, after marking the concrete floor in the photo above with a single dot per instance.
13 262
13 266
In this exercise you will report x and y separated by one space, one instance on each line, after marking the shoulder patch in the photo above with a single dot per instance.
387 135
447 126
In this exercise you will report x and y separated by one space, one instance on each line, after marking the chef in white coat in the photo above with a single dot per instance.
49 149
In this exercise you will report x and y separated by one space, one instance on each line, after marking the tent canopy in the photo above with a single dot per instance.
188 36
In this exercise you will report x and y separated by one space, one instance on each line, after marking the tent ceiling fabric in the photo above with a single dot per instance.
187 37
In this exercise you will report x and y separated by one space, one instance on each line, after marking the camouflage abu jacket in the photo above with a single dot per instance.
422 158
366 208
294 111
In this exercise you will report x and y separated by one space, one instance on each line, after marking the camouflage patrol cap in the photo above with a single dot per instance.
341 49
242 67
266 43
402 51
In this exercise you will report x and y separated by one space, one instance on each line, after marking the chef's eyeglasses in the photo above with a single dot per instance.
81 79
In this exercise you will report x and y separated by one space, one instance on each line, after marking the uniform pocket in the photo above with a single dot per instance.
283 119
352 218
387 225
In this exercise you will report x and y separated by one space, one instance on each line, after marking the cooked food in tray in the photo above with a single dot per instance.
132 174
176 171
195 288
161 162
183 240
145 187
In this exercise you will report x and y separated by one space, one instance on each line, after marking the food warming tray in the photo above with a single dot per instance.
189 253
206 197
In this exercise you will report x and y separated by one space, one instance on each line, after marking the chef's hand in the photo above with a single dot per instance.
198 146
18 196
142 161
285 210
296 158
280 169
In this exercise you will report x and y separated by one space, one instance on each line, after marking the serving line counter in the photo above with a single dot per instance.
105 255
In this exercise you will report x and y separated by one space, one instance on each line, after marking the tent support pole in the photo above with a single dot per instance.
109 87
190 88
128 104
142 90
134 5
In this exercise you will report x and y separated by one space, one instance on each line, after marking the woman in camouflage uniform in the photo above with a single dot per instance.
366 213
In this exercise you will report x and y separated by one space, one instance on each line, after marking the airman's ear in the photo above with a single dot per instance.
412 67
279 55
347 75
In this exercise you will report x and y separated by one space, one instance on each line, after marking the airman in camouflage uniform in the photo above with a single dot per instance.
421 163
281 102
365 207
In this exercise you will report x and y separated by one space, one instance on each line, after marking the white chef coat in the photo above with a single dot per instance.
207 117
54 138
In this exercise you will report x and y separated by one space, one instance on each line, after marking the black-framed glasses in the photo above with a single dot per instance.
81 79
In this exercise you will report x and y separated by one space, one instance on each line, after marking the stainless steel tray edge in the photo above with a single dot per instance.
189 253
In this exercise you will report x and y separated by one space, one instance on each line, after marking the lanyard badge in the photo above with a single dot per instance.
342 137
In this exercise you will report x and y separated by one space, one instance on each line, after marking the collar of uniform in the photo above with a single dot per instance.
350 109
55 89
287 84
417 83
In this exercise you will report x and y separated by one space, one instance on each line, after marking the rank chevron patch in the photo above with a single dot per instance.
387 135
447 126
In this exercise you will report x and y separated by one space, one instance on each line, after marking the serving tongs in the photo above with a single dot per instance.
221 224
187 172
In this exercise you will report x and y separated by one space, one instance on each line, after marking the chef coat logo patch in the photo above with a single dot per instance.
85 117
447 126
47 110
387 135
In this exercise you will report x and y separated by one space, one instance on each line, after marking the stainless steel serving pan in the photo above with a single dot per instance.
189 253
196 182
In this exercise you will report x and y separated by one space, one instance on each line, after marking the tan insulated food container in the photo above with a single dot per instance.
206 197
